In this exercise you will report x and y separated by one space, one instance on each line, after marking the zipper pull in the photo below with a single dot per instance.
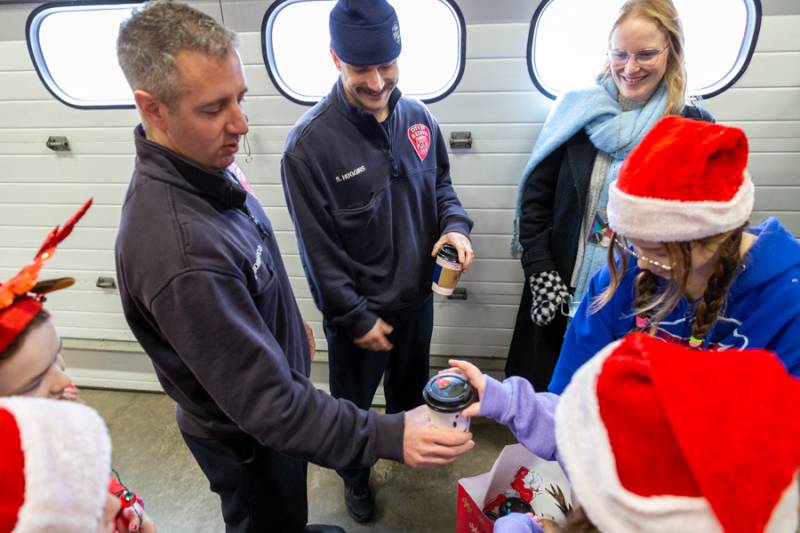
395 168
262 229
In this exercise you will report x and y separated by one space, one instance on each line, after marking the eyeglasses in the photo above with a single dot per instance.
628 249
644 57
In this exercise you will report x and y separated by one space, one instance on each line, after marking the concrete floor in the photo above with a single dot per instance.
152 459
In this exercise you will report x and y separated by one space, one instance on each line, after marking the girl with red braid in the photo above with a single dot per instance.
30 353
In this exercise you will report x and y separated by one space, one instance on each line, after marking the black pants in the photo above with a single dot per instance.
534 350
261 490
356 373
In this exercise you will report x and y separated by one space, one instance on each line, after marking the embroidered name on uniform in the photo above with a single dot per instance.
257 264
420 137
352 174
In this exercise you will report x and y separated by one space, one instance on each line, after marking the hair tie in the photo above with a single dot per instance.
694 342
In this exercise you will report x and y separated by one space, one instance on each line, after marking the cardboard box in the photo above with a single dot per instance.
475 492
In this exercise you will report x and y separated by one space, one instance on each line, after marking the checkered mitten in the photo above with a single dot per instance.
549 294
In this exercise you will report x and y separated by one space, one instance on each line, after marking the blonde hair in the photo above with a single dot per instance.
664 15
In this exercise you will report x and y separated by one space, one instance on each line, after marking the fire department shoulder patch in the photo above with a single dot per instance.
420 137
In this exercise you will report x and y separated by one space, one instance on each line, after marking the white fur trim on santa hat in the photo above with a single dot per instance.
657 220
786 516
586 454
67 465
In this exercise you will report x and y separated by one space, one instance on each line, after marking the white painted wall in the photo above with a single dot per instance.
495 100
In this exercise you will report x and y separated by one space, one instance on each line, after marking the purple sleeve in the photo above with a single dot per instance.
517 523
529 415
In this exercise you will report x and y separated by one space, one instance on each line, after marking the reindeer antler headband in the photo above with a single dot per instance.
21 297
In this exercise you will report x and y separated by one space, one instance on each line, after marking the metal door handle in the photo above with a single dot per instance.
106 283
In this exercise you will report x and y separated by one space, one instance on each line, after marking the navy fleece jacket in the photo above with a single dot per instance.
206 294
369 201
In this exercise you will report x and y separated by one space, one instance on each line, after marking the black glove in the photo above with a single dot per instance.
549 294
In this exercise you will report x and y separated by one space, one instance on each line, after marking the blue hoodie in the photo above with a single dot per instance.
762 310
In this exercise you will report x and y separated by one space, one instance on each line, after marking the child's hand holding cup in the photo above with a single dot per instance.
476 379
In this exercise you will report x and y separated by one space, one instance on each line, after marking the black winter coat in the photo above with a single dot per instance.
554 200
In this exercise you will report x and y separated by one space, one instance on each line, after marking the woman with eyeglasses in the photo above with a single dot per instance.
684 266
561 227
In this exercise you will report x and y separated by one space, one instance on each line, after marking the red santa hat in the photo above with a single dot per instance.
21 297
55 461
659 437
685 180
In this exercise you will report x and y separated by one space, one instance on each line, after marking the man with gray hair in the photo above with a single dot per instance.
206 294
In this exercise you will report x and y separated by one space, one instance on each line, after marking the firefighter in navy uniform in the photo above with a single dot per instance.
367 181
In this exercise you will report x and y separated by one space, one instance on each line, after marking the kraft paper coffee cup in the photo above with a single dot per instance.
446 395
446 271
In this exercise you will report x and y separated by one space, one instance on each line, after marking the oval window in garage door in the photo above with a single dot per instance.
296 42
74 50
568 41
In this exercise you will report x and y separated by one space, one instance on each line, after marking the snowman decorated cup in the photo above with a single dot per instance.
446 395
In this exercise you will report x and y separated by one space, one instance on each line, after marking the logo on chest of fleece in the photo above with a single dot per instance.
258 263
420 137
351 174
726 329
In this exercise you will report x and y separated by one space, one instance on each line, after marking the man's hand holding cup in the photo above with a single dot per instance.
426 446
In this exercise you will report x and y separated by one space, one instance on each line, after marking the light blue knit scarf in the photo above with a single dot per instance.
610 129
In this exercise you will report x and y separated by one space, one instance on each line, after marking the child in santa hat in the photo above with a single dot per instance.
659 437
684 267
30 351
55 461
